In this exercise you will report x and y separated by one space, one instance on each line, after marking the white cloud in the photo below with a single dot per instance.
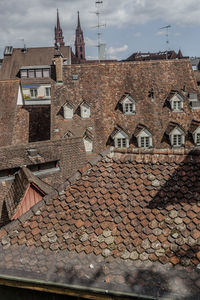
112 50
34 20
90 42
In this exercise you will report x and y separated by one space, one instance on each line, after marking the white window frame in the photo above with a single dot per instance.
177 103
33 92
121 142
48 92
85 111
144 141
66 108
177 140
128 105
86 139
23 73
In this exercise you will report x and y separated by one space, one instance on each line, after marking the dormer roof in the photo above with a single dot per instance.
140 128
117 130
172 126
126 96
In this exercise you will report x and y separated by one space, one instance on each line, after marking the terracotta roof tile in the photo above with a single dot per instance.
137 218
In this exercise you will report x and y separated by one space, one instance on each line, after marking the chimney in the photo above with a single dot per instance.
58 59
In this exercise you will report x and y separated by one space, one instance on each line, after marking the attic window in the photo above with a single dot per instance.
196 136
177 137
198 139
177 140
85 110
121 139
145 142
128 105
121 143
68 111
144 138
88 143
176 103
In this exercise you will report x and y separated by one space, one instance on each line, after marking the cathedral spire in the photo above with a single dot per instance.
79 42
59 39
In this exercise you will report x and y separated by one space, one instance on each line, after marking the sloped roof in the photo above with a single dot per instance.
140 211
194 125
140 128
31 57
16 193
171 126
8 103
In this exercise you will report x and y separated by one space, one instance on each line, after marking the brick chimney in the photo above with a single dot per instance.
58 59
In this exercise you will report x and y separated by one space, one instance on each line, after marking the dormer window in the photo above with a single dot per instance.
197 139
177 105
128 105
176 135
176 102
88 141
145 142
35 71
144 137
68 111
85 110
195 130
177 140
120 138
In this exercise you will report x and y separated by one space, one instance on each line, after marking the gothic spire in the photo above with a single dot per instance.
78 20
79 41
59 39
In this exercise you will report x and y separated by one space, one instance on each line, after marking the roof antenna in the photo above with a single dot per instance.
167 38
99 4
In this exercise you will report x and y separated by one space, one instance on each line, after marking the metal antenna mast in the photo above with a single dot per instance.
99 4
167 38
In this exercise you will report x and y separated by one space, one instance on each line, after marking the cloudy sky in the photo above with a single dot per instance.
131 25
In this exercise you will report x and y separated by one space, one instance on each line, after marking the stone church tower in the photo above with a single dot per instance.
59 39
79 42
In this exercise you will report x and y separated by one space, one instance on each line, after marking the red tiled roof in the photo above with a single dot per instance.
138 207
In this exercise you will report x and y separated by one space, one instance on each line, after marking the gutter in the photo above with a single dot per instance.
71 290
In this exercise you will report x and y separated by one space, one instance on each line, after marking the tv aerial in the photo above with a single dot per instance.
167 38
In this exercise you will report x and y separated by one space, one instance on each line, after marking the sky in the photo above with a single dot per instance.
130 25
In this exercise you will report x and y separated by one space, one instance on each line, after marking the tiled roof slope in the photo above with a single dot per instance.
103 85
31 57
128 206
8 103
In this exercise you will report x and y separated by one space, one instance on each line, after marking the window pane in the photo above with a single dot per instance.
33 93
124 143
31 73
45 72
119 143
147 142
39 73
48 91
24 73
142 141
